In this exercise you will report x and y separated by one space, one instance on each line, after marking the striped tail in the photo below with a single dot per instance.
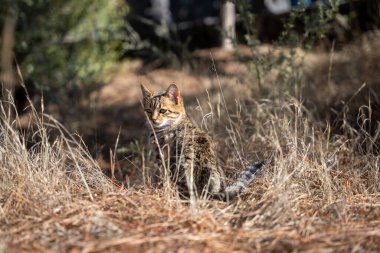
241 183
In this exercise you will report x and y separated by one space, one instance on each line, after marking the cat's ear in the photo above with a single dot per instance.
173 92
145 91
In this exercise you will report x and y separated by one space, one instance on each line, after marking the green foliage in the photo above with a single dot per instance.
64 41
163 46
316 24
286 66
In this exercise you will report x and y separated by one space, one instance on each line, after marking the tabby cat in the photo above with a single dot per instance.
186 150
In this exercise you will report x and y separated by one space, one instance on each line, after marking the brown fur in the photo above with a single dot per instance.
192 158
188 151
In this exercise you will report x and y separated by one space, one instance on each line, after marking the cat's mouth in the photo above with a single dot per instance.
159 124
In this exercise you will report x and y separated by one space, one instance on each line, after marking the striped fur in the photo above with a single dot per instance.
241 183
188 150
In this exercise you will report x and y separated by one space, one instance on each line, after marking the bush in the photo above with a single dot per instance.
302 28
58 42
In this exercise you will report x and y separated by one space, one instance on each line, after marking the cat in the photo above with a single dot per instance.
187 151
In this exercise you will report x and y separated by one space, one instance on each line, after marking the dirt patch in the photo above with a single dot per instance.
330 80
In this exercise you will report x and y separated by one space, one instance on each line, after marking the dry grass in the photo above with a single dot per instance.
321 192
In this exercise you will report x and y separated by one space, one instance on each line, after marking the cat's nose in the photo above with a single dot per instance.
154 121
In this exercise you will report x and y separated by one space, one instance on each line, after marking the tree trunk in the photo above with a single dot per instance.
7 75
228 17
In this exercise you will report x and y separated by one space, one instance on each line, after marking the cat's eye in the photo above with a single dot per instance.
163 111
149 111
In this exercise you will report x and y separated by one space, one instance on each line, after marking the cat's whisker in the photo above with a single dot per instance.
185 153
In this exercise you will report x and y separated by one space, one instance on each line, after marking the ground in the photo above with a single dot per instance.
320 192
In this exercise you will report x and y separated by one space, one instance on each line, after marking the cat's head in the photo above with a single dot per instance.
164 109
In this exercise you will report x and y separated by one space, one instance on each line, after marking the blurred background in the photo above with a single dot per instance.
85 59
